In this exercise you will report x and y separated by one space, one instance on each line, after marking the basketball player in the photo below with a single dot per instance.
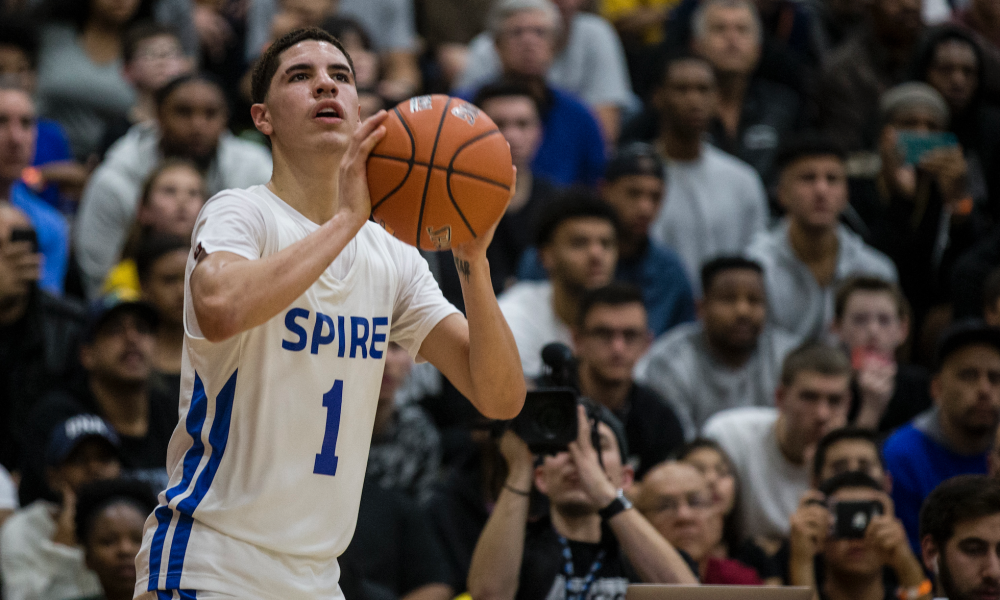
291 299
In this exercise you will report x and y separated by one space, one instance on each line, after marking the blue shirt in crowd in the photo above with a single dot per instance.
572 149
657 271
917 464
53 236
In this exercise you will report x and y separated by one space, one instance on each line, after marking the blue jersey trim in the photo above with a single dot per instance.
218 437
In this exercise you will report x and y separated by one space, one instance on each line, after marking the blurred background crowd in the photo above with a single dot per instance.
767 231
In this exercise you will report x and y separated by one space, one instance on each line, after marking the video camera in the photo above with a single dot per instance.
548 422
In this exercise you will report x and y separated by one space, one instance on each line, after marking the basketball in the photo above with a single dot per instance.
441 176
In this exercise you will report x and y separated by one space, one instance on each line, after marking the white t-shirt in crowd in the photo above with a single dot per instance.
268 460
771 485
527 307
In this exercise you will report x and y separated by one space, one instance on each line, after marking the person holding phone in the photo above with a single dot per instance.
846 543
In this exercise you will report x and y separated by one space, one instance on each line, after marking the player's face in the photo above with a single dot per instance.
852 456
582 253
114 540
312 103
636 199
164 287
612 340
871 321
17 133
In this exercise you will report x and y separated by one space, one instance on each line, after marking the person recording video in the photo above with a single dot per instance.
847 543
591 544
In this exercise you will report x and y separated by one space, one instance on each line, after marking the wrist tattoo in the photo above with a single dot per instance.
464 268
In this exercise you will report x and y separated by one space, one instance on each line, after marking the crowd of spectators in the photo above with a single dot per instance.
765 233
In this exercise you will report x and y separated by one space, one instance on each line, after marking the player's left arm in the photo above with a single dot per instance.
477 353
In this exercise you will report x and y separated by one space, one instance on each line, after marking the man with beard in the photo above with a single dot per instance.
960 537
729 358
191 117
954 436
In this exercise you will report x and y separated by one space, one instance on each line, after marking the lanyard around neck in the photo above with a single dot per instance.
576 591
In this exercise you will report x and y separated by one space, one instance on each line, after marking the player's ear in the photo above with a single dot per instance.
261 118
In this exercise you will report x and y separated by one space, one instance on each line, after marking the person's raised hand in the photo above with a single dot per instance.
595 481
899 177
516 453
65 533
876 383
355 200
810 526
949 167
19 268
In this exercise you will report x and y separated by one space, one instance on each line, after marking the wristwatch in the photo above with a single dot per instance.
619 504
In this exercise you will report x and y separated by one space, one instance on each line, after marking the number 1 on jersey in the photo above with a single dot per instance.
326 460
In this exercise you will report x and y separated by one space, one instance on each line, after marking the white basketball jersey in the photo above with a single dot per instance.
268 460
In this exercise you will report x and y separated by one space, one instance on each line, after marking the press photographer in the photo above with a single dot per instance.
591 545
847 544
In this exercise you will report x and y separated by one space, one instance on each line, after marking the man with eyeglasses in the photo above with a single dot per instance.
610 335
960 537
677 501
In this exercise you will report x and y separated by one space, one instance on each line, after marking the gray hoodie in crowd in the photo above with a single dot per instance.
111 197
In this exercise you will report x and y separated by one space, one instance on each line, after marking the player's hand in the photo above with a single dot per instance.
355 200
593 479
810 525
475 249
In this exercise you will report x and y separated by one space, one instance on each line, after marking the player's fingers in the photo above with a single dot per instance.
371 124
369 143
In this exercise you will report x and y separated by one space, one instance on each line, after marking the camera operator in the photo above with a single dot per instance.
847 544
591 545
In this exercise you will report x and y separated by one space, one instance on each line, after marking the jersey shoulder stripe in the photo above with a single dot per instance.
175 520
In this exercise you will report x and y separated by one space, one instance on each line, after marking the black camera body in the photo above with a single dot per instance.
851 518
548 421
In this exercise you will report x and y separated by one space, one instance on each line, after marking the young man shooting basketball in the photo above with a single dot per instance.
291 299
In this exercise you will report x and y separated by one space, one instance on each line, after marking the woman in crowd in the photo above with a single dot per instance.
80 82
109 519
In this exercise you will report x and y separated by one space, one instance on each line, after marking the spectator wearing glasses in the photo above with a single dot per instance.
610 336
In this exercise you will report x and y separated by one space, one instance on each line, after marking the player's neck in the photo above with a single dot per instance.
309 183
577 527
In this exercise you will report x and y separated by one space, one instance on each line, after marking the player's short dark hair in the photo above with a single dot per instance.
850 479
150 249
808 144
614 294
164 93
96 496
139 33
814 357
958 499
509 88
574 203
868 283
839 435
267 65
20 34
711 269
991 289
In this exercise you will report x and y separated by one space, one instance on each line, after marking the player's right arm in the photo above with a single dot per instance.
231 294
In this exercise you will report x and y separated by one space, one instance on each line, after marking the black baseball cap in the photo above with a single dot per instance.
968 332
69 434
637 158
121 300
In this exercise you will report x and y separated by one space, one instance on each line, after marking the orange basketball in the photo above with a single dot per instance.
441 176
